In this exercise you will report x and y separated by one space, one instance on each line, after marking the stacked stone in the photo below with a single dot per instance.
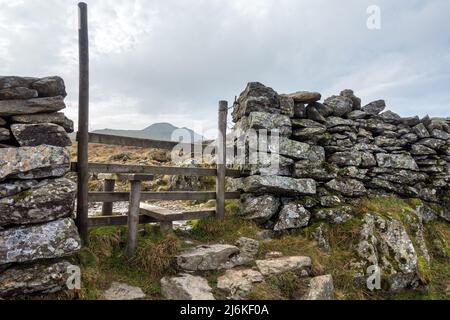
337 150
37 230
271 195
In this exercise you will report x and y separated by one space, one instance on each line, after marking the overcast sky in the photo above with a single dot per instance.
173 60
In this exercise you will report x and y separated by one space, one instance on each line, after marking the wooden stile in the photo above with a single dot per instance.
139 213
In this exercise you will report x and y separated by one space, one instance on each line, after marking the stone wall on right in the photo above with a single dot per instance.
333 151
380 179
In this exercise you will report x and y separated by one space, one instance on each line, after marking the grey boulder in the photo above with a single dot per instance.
33 162
259 208
305 96
292 216
50 87
57 118
347 187
375 107
271 267
186 287
30 135
18 93
38 278
49 200
55 239
321 288
31 106
278 185
340 105
237 284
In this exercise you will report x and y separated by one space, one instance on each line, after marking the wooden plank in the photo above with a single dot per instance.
83 124
164 196
125 177
143 143
156 170
133 217
107 207
164 214
221 160
116 221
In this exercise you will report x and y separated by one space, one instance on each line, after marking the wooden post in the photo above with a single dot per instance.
166 227
83 124
221 160
133 217
107 208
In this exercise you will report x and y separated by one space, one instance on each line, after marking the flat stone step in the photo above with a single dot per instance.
167 215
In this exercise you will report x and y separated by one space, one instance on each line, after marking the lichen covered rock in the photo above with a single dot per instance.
55 239
36 278
46 201
186 287
33 162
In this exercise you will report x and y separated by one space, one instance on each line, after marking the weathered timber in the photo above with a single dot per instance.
164 196
221 160
155 170
83 124
133 217
142 143
163 214
116 221
108 186
125 177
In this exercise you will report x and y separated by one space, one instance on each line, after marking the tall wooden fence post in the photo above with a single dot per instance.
83 123
221 160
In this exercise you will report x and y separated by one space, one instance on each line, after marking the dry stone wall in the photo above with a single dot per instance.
334 151
37 230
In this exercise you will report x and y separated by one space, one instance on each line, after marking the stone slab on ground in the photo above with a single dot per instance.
321 288
238 283
276 266
186 287
123 291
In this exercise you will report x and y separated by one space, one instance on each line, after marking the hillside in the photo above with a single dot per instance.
157 131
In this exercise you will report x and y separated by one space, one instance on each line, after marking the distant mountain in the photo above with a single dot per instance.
157 131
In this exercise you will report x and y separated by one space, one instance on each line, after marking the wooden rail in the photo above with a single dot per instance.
135 174
155 170
160 196
143 143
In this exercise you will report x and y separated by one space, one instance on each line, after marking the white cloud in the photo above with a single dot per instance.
155 60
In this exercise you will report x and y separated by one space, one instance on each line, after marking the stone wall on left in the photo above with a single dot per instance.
37 230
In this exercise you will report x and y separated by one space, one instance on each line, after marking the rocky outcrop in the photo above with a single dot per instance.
186 287
36 202
385 243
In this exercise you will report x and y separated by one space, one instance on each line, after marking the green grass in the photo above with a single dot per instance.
104 261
